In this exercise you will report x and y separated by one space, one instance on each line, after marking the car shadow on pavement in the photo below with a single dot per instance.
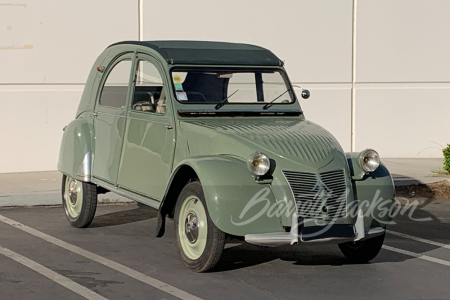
124 217
246 255
243 255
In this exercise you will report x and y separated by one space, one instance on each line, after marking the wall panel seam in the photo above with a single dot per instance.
353 94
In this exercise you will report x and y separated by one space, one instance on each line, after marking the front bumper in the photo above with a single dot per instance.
292 237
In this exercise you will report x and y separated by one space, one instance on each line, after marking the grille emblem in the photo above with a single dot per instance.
322 191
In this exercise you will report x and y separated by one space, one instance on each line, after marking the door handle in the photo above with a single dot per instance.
95 114
169 127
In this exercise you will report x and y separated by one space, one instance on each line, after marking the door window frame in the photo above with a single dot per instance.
149 58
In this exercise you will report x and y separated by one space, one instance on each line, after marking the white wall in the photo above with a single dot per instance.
401 76
47 48
314 38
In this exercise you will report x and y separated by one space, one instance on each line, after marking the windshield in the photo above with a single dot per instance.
204 86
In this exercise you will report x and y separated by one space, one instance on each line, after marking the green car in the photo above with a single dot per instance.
212 135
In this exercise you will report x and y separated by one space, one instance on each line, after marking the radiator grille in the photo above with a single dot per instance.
319 195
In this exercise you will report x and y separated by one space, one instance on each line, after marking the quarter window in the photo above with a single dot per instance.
115 89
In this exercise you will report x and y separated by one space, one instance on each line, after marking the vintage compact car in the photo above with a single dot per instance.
213 135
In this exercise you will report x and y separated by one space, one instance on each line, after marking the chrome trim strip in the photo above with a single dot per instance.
275 239
359 226
369 233
333 239
374 232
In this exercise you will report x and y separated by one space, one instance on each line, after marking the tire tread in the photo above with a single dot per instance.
89 205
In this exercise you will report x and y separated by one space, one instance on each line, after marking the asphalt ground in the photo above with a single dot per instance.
118 257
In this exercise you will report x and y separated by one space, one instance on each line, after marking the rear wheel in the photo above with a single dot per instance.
200 242
362 251
79 201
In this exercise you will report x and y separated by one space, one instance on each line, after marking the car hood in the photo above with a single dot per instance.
293 139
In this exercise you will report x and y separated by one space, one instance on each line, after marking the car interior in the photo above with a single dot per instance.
150 99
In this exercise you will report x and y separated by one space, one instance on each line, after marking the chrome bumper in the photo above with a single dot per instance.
276 239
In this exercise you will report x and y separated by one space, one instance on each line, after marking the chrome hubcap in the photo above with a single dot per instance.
73 192
191 227
73 197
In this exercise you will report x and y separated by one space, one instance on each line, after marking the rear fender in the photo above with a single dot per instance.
75 156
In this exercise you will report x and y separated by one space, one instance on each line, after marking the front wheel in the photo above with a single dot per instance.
200 242
79 201
363 251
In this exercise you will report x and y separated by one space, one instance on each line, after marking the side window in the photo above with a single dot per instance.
114 92
149 93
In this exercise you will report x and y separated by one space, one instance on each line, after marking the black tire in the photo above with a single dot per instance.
362 251
88 205
215 238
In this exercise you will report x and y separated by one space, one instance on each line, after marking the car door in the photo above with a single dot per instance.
149 144
110 119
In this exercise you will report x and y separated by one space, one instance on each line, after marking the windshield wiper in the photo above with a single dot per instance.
271 102
222 103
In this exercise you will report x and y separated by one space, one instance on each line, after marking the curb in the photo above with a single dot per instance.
404 181
52 198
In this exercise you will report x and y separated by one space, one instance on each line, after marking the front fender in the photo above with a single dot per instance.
236 203
375 192
75 155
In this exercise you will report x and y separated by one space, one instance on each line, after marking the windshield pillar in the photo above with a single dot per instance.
259 87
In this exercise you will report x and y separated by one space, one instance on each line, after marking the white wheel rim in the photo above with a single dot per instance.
192 227
73 197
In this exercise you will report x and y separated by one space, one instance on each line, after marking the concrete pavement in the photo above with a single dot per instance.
39 188
43 188
118 257
407 171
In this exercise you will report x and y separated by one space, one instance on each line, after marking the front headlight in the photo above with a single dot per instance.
258 164
369 160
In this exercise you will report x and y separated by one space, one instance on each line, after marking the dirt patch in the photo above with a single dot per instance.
435 190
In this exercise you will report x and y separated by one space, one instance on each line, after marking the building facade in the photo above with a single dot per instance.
378 71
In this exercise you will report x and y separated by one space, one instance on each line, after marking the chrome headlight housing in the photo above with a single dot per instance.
369 160
258 164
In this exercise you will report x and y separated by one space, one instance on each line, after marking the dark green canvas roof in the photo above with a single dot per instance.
217 53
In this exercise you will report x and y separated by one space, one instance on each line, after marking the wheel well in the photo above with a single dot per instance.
102 190
184 175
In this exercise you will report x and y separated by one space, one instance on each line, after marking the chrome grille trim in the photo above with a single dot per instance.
312 191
